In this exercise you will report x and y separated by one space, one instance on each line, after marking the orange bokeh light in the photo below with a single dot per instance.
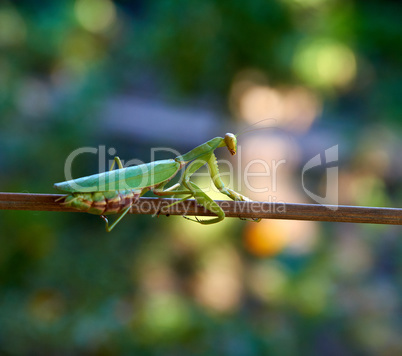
265 238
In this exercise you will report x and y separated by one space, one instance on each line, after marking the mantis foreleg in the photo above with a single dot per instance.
200 196
216 178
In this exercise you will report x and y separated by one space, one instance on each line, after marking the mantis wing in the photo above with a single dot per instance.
137 177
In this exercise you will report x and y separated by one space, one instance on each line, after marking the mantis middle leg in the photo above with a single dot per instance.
201 197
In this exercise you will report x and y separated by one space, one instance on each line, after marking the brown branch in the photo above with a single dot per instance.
264 210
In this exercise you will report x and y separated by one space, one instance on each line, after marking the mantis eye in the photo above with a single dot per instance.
231 143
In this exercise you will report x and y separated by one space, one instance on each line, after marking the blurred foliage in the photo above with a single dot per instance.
164 286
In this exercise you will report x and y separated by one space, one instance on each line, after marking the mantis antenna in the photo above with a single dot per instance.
246 129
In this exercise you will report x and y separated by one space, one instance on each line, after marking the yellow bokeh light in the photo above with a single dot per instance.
252 99
218 285
325 63
78 52
300 108
257 101
95 15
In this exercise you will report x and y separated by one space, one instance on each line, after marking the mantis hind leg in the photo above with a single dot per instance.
121 216
125 210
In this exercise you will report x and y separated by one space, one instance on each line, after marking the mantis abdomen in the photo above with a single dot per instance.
102 203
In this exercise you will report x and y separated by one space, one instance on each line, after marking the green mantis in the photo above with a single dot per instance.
117 190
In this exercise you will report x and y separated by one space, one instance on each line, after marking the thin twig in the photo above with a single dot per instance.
264 210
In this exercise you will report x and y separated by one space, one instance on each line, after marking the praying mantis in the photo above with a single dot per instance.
115 191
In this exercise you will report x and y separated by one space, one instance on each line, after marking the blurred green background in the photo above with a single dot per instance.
135 75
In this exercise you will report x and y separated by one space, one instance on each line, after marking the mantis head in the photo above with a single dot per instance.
230 139
231 143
